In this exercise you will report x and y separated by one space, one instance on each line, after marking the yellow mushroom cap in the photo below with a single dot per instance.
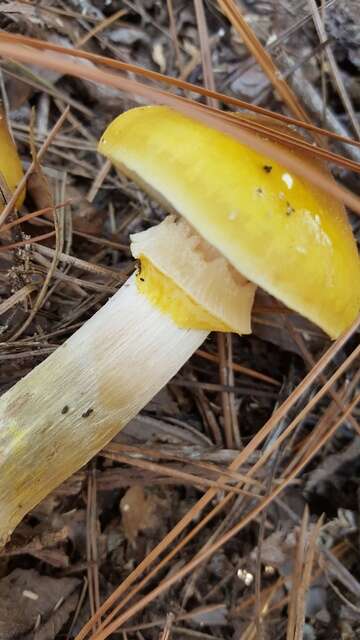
275 228
10 165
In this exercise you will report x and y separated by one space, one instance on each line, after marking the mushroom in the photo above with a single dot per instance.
10 165
245 221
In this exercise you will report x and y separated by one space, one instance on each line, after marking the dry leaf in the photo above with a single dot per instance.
18 92
26 595
273 551
58 618
44 545
250 84
270 325
128 35
328 470
38 188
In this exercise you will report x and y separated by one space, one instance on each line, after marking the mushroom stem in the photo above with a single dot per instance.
63 412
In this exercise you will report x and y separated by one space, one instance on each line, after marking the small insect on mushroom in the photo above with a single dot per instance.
198 274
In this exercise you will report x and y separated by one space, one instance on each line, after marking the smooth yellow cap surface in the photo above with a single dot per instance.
10 165
275 228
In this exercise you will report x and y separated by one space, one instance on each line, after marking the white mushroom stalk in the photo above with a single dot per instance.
62 413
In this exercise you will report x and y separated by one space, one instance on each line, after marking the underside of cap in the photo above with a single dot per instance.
188 279
275 228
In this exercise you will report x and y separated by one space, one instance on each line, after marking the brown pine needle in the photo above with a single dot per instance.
264 59
104 633
208 73
312 402
335 72
173 32
29 241
37 214
239 368
262 460
91 544
114 447
100 26
16 297
171 81
209 495
268 131
240 129
116 64
296 605
172 472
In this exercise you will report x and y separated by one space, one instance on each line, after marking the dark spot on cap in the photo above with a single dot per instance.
65 409
289 209
267 168
87 413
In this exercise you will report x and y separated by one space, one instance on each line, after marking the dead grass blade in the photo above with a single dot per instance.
267 595
90 267
99 179
166 633
227 398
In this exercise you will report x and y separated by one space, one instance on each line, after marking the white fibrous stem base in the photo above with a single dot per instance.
62 413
